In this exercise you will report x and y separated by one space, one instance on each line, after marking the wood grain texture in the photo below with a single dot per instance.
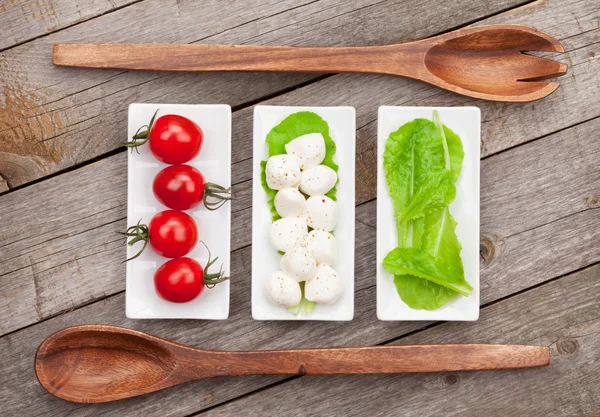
24 20
53 118
82 243
563 314
484 62
100 363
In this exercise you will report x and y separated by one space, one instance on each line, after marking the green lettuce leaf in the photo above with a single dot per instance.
420 294
293 126
416 170
429 273
437 259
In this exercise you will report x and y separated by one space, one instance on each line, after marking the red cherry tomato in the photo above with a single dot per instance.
179 280
172 233
173 139
183 279
179 187
182 187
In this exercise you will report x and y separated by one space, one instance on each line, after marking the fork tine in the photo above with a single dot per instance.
538 68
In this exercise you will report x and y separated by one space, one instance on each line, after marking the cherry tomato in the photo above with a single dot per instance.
183 279
179 187
170 233
179 280
173 139
182 187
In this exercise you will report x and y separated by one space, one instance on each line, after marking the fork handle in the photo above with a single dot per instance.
378 359
186 57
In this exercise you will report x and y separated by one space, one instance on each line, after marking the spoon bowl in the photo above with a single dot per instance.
95 363
90 363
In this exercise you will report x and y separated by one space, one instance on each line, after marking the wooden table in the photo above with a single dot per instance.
63 184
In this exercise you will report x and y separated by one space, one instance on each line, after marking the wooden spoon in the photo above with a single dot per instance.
484 62
95 363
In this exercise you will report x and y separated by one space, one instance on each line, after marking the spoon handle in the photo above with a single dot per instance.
384 359
186 57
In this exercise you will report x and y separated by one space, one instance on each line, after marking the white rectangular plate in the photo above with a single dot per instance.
265 259
466 122
214 161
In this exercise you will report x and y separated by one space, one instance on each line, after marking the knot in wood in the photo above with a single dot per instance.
486 251
567 346
593 201
451 379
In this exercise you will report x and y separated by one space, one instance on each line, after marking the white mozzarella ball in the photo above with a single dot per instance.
325 287
287 233
309 149
322 246
317 180
320 212
283 290
282 171
289 202
299 264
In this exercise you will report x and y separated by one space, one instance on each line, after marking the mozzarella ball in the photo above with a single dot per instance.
282 290
287 233
289 202
282 171
320 212
309 149
321 245
317 180
299 264
325 287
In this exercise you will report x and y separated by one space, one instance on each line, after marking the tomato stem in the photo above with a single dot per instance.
138 232
210 280
215 195
142 135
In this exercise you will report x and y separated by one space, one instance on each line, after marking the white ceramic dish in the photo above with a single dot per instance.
214 161
265 258
466 122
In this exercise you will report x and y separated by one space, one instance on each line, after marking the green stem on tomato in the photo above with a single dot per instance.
142 135
210 280
215 195
138 232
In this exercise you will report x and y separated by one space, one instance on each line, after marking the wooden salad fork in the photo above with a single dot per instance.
96 363
486 62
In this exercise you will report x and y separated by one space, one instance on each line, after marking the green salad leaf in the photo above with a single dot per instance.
416 171
421 294
293 126
427 267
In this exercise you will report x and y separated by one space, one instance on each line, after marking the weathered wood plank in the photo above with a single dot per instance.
24 20
53 118
562 246
564 315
